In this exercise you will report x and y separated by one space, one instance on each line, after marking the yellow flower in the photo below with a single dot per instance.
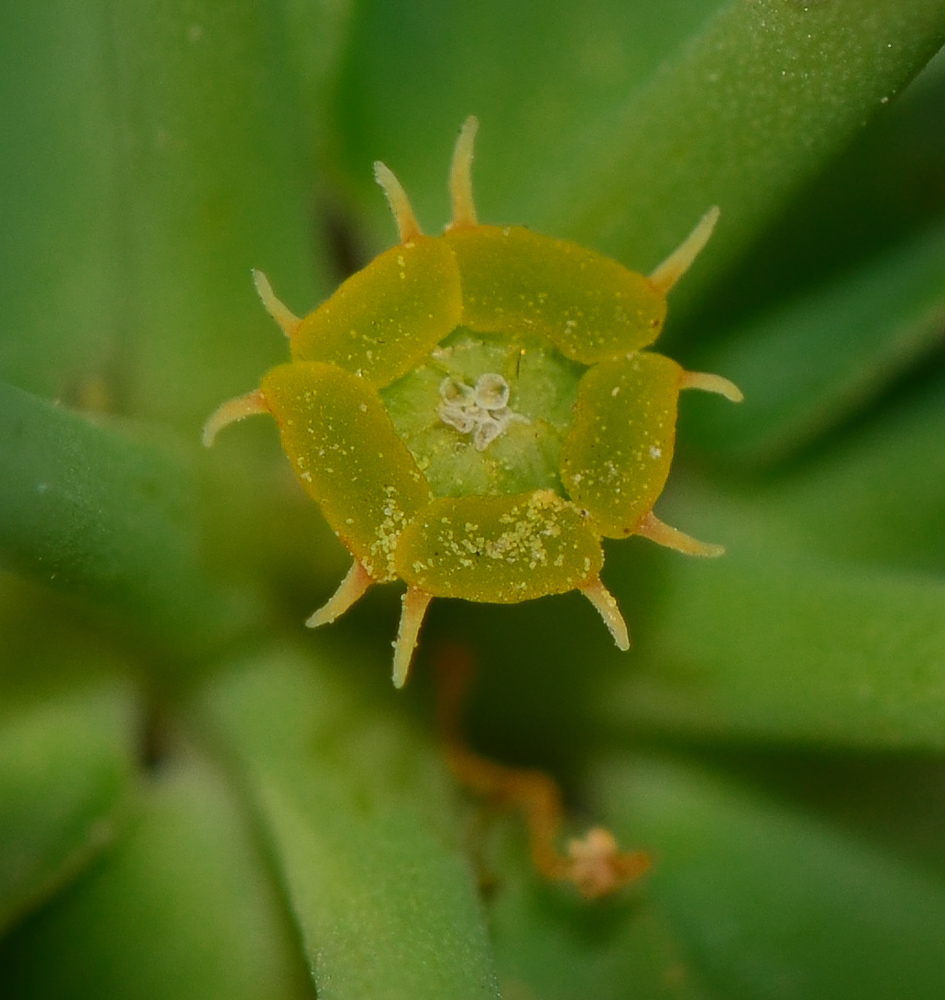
473 412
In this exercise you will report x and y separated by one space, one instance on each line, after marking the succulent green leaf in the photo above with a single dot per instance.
550 944
315 36
774 643
360 822
181 906
898 520
815 361
501 549
386 318
58 180
849 920
99 512
344 450
758 100
616 459
66 777
576 63
151 164
588 307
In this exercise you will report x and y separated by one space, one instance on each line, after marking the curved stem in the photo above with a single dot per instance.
593 863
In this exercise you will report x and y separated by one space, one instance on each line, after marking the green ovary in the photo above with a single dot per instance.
467 434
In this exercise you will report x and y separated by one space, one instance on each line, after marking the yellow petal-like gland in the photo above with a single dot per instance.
343 448
386 318
616 458
588 306
500 549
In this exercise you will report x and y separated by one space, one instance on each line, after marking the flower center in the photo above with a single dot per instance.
481 410
486 414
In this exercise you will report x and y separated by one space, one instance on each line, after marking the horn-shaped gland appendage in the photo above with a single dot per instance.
415 604
606 605
678 262
352 588
655 530
277 309
712 383
461 192
407 225
232 410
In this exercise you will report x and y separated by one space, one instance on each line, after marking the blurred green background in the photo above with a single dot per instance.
200 798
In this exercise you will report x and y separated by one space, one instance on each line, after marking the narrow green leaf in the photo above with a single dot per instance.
360 821
66 770
154 158
57 199
562 64
99 513
182 907
316 35
212 167
878 493
813 362
772 643
892 800
880 192
774 903
751 108
550 943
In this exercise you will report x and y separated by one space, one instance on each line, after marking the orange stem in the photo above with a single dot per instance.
593 864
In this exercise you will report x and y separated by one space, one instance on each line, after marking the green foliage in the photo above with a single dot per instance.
355 811
198 797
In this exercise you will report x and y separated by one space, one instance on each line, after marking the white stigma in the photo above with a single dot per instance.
481 410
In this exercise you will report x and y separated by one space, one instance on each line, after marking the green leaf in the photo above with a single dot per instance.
813 362
628 152
316 32
216 186
774 643
774 903
877 494
361 824
153 166
182 907
750 109
99 513
880 192
562 65
57 199
66 773
550 943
